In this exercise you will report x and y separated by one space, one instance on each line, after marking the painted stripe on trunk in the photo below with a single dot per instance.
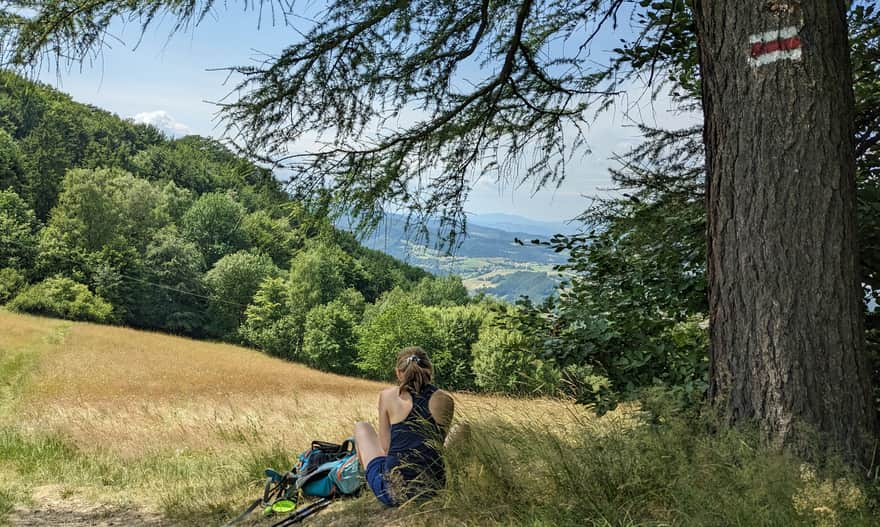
776 34
760 48
772 46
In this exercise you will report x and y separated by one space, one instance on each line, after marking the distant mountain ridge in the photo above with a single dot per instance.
516 223
488 258
480 241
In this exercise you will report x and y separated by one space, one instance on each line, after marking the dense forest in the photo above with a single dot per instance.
109 221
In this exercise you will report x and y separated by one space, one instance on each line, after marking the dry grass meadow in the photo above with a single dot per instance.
104 426
149 421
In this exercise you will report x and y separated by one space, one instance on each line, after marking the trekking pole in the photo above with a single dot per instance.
303 513
271 491
244 514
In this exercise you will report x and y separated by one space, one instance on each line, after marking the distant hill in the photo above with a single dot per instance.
515 223
488 259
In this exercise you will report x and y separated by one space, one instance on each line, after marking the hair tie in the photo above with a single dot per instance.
415 358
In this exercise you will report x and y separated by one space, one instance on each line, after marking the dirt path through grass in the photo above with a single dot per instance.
56 509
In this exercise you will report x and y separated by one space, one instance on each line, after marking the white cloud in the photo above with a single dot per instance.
163 121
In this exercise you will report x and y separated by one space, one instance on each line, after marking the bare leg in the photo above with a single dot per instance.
367 442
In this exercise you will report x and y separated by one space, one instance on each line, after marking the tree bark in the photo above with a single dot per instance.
787 342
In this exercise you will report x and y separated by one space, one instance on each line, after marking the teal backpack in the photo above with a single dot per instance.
325 471
329 470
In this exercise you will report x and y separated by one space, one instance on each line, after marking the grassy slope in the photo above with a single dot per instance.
178 431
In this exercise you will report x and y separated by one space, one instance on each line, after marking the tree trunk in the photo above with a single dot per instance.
787 343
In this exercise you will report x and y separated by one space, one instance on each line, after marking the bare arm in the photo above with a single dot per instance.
384 424
442 407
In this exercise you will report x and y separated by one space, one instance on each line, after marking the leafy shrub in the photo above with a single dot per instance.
269 323
583 384
11 282
330 342
505 361
62 297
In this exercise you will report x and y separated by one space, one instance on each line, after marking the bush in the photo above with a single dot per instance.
330 342
64 298
505 361
11 282
583 384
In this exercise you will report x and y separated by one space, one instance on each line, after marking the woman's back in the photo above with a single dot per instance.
403 461
415 443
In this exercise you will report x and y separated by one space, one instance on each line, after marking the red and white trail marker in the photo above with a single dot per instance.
772 46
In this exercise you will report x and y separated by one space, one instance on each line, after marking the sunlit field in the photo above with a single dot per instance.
111 426
154 403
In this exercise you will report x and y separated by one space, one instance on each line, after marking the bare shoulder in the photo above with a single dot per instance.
386 394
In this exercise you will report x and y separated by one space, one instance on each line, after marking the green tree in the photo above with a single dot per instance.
175 201
394 323
272 236
353 301
441 291
107 207
48 151
232 283
637 279
214 223
11 171
269 324
176 163
457 330
176 302
319 273
330 341
117 275
18 231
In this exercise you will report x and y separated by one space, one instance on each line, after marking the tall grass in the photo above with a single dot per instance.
143 421
614 473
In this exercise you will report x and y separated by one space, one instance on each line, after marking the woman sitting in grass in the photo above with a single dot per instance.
403 460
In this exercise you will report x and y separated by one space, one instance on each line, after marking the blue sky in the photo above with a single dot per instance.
169 83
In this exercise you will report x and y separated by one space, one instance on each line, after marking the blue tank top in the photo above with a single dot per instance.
414 450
